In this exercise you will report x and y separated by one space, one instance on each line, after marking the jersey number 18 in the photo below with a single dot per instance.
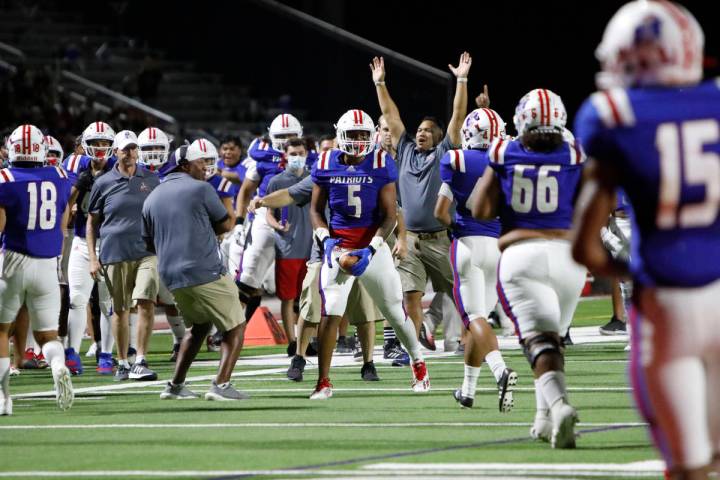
45 214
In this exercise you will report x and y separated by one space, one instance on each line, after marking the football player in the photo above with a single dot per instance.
82 170
474 254
357 182
654 130
55 152
33 211
532 185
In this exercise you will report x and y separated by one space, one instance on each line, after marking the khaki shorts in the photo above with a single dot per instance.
360 307
131 281
215 302
428 256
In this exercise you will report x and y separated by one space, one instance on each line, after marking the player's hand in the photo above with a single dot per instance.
284 228
377 67
255 203
328 245
95 269
364 255
463 68
400 250
483 100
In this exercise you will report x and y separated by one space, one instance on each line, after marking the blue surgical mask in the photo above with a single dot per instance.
296 163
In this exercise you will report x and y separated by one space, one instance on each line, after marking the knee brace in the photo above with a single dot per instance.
541 343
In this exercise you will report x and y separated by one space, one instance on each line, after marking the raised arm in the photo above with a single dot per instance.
460 100
387 105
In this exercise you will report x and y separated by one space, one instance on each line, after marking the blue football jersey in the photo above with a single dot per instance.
538 189
34 200
223 187
460 170
353 194
665 145
240 168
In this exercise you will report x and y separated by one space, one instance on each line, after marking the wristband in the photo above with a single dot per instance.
239 220
461 79
321 233
379 83
376 243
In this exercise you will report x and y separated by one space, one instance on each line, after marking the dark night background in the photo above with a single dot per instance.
515 45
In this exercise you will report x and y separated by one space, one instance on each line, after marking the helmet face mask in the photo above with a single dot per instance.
282 128
92 137
355 133
480 128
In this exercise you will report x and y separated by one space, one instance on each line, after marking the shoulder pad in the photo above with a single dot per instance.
6 176
577 154
61 172
379 158
323 162
614 108
496 152
457 160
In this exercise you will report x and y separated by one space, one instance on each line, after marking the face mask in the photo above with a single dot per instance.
296 163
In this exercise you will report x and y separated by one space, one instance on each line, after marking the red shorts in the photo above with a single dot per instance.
289 275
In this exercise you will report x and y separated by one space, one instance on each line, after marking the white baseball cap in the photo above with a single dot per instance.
124 139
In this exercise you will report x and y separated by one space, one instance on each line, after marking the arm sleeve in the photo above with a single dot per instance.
214 207
262 151
446 191
252 173
301 192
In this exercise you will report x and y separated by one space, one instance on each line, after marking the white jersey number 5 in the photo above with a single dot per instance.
47 213
354 201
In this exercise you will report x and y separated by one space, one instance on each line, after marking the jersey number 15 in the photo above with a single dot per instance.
46 213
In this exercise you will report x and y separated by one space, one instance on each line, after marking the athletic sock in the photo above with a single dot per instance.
132 325
541 406
496 363
124 363
139 358
5 376
552 385
388 335
77 321
177 325
470 381
106 336
54 353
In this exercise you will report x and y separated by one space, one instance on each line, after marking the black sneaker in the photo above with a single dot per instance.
614 327
312 349
292 348
369 373
567 340
493 319
465 402
175 351
342 346
392 350
506 385
358 356
122 373
297 367
213 343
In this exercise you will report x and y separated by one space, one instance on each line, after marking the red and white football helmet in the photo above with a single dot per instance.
154 148
540 110
282 128
55 152
481 127
650 43
355 121
27 144
98 131
203 148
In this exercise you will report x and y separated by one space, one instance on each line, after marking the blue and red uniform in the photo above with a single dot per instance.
74 166
538 189
34 200
224 187
353 194
460 170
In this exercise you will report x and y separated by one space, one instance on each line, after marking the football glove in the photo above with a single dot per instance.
364 255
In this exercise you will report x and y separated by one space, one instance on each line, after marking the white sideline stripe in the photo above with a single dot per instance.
645 466
299 425
367 389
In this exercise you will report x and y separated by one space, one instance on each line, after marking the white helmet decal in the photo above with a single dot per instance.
541 110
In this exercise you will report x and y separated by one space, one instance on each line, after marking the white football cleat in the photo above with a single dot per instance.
563 427
64 394
5 405
542 428
323 390
421 377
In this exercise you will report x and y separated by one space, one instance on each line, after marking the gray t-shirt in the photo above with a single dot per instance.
118 200
419 182
297 242
301 193
178 218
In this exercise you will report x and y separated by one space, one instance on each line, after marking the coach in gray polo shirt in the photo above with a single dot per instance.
130 271
418 161
180 221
